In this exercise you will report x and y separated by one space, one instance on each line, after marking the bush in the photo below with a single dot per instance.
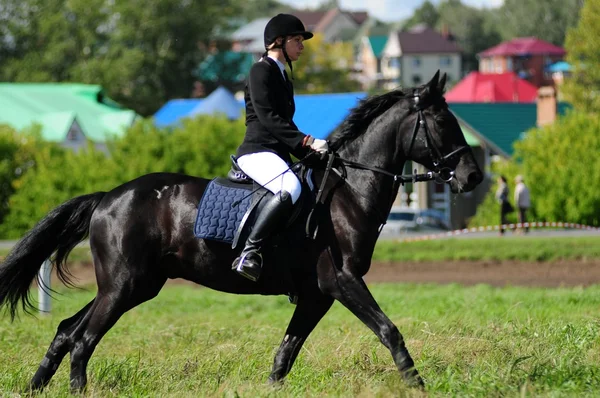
200 147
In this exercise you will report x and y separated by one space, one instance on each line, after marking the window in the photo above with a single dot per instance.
416 62
416 80
445 61
394 63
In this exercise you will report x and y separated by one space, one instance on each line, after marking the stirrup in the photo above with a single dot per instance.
247 271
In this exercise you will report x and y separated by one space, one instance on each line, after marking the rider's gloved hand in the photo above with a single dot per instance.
320 146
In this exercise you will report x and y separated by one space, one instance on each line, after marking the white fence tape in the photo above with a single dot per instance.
489 228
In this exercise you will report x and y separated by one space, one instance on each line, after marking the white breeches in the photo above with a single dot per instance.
269 170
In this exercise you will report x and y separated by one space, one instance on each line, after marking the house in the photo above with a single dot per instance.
334 25
495 87
250 38
369 60
528 57
68 113
410 58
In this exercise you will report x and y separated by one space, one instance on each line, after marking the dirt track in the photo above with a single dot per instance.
548 274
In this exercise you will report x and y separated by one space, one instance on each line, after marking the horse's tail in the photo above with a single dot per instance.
60 231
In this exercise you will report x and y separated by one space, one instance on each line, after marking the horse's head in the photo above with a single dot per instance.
435 139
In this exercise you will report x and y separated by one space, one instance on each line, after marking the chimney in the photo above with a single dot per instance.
546 106
446 31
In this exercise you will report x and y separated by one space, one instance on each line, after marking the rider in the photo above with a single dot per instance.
271 135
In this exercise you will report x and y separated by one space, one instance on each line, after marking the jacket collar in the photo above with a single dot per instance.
287 84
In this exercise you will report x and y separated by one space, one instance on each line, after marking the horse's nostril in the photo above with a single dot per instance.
474 178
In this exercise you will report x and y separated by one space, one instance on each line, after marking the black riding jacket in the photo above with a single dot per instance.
270 108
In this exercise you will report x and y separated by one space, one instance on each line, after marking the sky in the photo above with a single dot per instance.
387 10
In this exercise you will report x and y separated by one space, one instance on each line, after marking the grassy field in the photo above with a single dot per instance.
508 248
191 342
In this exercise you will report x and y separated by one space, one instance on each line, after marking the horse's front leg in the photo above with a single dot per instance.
354 294
309 311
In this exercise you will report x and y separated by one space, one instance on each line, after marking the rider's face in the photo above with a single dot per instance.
294 46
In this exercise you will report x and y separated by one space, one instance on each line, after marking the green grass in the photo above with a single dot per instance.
517 248
191 342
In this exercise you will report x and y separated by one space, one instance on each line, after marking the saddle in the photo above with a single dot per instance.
229 206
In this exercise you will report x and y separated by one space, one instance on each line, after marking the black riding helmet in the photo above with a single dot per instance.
282 25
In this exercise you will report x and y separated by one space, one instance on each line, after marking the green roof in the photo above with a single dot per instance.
377 44
501 124
470 135
56 106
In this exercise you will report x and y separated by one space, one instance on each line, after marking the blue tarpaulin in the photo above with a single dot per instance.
175 110
316 114
219 101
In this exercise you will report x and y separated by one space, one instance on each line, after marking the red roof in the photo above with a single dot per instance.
492 87
523 46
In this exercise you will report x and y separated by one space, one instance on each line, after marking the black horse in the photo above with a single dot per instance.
141 234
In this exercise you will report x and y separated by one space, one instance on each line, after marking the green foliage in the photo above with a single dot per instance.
562 168
547 20
200 147
488 212
560 165
58 174
471 29
583 53
142 55
475 341
324 68
16 157
426 14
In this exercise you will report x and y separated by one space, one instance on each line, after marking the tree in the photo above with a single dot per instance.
17 153
142 55
560 166
471 28
324 68
582 88
200 147
426 14
547 20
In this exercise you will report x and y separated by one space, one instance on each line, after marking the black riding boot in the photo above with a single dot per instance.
274 214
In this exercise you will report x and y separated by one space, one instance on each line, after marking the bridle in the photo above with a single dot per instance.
441 173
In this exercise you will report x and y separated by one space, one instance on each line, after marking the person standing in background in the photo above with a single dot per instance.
502 198
522 200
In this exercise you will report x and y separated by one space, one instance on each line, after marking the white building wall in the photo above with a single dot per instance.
417 69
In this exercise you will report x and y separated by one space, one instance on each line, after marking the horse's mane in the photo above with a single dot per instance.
362 115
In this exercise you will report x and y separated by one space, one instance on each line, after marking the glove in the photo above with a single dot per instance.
320 146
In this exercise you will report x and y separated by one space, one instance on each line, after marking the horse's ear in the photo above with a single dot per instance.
442 83
433 83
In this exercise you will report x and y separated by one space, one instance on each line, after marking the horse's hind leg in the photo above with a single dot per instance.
110 304
353 293
58 349
309 311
